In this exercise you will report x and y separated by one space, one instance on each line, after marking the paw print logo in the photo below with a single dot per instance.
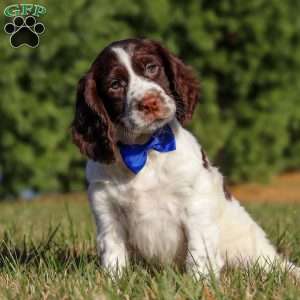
24 31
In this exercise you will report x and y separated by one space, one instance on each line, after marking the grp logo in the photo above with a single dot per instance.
24 29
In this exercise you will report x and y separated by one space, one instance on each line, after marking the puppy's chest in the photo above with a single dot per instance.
152 215
158 181
150 188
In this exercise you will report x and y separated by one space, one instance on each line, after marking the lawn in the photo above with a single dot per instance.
47 251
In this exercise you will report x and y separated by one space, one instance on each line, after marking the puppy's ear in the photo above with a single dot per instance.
183 84
92 129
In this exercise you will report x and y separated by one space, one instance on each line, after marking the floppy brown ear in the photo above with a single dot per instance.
92 129
183 84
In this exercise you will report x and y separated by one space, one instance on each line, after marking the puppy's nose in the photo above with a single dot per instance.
150 103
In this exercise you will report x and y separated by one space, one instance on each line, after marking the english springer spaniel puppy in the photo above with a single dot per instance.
153 191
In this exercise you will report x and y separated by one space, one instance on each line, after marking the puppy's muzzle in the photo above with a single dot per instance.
152 105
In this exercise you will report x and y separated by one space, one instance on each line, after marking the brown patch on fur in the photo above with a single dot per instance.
227 193
92 130
183 84
205 161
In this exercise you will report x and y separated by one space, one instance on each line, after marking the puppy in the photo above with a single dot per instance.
152 190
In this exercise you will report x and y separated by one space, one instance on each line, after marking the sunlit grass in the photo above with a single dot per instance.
47 251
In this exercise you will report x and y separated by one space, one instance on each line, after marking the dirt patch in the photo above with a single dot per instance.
284 188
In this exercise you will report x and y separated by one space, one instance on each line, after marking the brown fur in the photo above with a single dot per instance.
92 129
205 161
226 191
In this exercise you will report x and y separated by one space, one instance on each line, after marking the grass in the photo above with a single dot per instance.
47 251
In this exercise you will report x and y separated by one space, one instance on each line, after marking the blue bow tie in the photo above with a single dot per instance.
135 156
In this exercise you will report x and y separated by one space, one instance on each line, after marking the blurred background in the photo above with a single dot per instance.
246 53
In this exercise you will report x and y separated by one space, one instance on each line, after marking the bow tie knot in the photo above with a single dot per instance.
135 156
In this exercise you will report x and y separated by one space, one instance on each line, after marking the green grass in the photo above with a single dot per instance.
47 251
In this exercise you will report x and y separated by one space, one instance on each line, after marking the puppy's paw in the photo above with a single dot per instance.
204 269
114 262
203 273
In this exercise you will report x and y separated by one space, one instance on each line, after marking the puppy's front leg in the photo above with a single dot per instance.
111 246
202 231
110 233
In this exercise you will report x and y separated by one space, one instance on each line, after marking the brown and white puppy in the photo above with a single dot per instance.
176 208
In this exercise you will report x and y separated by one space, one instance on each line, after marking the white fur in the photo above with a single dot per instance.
173 198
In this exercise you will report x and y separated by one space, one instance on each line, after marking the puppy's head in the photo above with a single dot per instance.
135 86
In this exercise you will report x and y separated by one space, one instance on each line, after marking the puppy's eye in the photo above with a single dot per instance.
115 84
151 69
